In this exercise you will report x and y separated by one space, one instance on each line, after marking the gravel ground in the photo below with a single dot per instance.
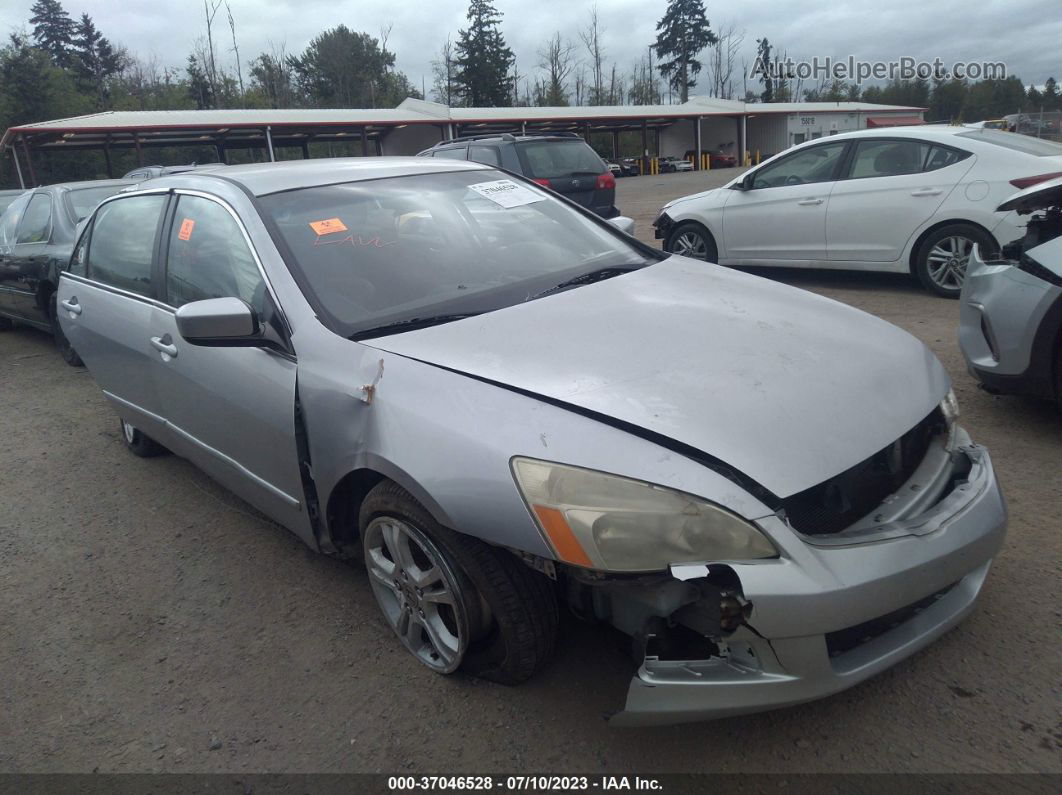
154 622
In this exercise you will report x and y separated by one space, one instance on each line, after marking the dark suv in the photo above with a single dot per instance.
563 162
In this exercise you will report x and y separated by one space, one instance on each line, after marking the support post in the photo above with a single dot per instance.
269 145
697 162
18 168
744 139
615 144
305 148
364 143
29 161
139 153
645 147
107 156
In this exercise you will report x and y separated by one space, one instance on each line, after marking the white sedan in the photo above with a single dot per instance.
908 200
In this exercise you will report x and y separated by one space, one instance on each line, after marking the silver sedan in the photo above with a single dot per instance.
500 402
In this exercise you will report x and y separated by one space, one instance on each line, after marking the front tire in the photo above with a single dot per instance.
62 344
454 601
692 240
139 444
941 261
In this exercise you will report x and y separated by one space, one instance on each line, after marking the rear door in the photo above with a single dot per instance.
891 187
231 410
106 302
8 235
571 168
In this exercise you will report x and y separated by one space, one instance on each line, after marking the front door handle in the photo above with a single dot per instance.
72 305
164 344
809 202
927 192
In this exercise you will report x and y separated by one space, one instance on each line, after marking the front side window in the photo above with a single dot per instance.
208 256
122 244
814 164
37 221
369 254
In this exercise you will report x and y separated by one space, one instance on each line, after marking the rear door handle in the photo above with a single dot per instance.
72 305
927 192
164 344
808 202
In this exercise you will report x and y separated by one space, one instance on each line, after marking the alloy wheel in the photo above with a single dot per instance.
947 261
689 244
417 592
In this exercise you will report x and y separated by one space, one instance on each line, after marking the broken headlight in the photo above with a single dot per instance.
601 521
949 407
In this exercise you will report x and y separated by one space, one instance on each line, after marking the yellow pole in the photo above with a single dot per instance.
757 157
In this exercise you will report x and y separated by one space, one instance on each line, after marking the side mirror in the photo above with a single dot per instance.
219 322
623 223
745 183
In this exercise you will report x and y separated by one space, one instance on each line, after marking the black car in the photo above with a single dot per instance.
563 162
37 235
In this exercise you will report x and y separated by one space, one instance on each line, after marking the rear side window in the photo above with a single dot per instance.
37 221
888 158
485 154
123 243
942 157
208 257
452 154
551 159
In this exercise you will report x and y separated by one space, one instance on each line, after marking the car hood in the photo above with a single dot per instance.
787 387
1038 197
704 194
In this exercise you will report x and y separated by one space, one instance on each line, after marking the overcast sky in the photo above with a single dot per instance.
1024 34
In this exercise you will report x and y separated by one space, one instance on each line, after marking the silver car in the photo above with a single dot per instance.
1011 316
499 402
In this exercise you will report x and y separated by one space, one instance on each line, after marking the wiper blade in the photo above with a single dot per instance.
409 324
587 278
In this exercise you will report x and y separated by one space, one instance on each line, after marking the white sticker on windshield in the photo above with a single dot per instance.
507 193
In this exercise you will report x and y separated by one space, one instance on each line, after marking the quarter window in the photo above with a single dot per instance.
484 154
457 153
123 243
208 257
37 220
814 164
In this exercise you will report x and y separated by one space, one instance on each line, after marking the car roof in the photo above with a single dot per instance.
930 131
262 179
58 187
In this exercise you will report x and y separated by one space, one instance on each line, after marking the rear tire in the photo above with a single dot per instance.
692 240
941 261
62 344
507 611
138 443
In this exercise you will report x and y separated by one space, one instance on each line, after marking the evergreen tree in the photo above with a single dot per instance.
763 64
483 59
95 60
53 30
199 85
681 35
1049 97
344 69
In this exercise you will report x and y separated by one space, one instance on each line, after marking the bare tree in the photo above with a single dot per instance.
722 60
556 58
591 38
444 73
210 9
235 48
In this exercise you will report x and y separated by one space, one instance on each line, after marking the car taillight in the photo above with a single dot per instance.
543 182
1027 182
606 181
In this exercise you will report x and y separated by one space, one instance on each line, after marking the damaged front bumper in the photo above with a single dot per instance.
828 616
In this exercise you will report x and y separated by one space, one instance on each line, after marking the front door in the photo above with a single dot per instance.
782 215
231 410
27 261
106 301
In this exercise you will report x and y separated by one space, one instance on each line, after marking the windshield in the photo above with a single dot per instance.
84 200
1015 141
373 253
551 159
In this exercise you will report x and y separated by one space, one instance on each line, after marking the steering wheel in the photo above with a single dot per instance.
793 179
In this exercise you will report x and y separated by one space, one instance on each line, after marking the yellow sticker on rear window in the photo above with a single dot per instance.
185 233
328 226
